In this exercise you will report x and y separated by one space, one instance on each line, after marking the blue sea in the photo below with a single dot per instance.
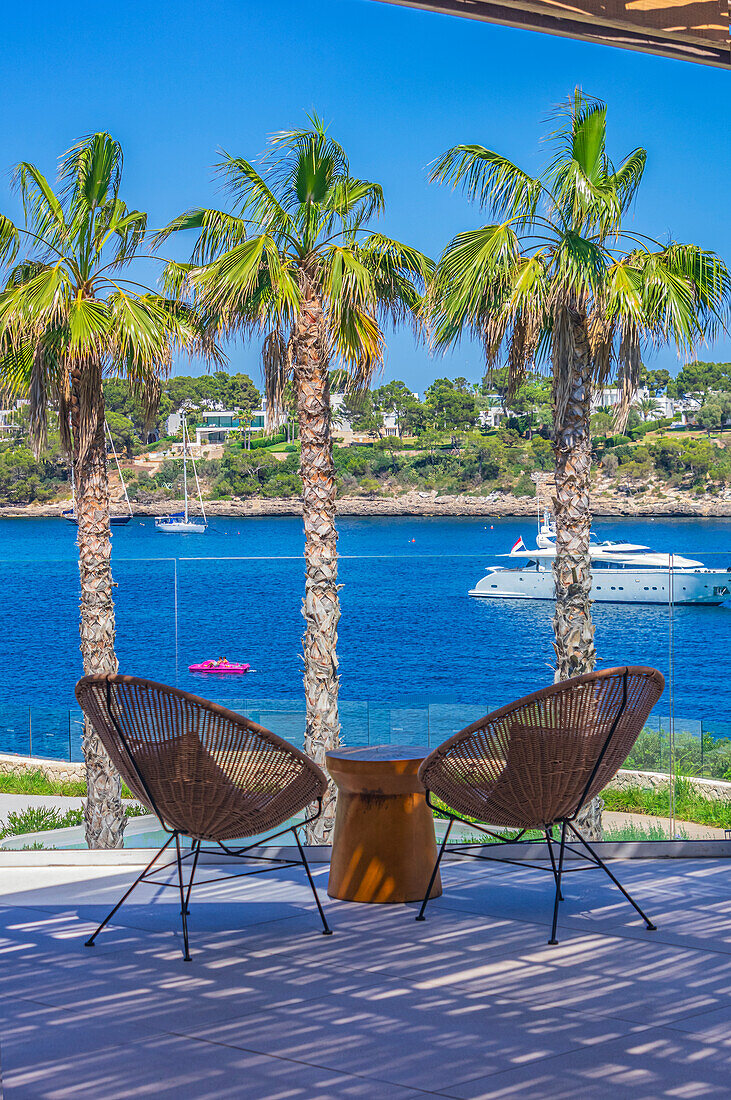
409 633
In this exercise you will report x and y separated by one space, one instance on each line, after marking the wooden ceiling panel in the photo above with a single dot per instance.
693 30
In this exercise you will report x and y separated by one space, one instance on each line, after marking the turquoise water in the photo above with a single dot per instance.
409 634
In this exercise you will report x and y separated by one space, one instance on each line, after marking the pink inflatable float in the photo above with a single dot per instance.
219 665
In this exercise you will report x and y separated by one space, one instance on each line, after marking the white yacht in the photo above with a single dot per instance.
182 523
622 572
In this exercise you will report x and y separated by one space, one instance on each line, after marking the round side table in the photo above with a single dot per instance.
384 848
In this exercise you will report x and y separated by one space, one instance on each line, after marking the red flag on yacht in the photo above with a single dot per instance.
519 545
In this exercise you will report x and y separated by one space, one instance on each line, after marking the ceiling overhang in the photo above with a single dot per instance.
692 30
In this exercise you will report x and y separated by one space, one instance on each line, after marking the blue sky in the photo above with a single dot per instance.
175 81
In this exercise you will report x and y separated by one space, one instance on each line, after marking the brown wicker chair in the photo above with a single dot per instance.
534 763
207 773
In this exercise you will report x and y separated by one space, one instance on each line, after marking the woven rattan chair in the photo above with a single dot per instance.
535 763
207 773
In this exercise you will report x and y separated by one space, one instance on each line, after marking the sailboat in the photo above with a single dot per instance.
114 521
182 522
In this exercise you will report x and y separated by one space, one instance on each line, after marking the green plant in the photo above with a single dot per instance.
39 819
642 832
690 805
37 782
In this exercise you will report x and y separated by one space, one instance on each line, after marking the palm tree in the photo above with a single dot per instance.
295 259
67 319
559 276
647 407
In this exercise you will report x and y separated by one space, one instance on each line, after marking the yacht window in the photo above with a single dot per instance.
493 586
646 589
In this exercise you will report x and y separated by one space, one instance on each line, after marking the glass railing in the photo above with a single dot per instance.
419 659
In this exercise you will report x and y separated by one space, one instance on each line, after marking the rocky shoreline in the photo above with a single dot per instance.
496 505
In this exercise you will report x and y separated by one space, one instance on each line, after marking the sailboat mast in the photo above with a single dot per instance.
119 468
185 466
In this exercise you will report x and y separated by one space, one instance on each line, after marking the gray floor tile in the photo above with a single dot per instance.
650 1065
406 1038
184 1069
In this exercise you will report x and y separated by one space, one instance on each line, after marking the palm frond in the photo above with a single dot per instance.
472 282
91 171
489 179
128 226
88 322
627 178
9 240
276 358
252 195
311 157
217 232
579 264
41 206
353 202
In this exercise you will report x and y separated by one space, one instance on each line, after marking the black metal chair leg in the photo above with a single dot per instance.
549 839
183 904
434 872
197 851
326 929
158 853
600 863
553 939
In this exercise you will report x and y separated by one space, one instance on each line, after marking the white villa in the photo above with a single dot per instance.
343 429
217 423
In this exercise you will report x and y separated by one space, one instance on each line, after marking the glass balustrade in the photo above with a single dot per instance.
415 668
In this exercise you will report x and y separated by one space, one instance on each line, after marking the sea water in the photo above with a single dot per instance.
409 633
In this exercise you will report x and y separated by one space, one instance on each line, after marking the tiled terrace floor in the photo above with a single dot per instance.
471 1004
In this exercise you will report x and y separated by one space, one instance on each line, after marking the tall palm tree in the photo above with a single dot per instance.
68 317
295 259
560 276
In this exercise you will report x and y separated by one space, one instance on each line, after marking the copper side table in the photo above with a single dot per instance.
384 848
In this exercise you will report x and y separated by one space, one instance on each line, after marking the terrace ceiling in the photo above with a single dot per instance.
694 30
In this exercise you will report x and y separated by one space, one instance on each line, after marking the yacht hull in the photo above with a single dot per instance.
182 527
699 586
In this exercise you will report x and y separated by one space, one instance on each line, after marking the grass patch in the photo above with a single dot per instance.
642 832
37 782
39 819
689 804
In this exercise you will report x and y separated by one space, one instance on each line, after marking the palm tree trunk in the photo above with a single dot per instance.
572 622
103 813
321 606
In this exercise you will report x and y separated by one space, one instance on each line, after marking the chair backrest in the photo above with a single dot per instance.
204 770
540 759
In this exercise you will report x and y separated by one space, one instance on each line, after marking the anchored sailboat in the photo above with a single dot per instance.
182 522
114 521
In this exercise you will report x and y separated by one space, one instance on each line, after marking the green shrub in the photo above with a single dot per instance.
524 487
267 441
690 805
37 782
39 819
